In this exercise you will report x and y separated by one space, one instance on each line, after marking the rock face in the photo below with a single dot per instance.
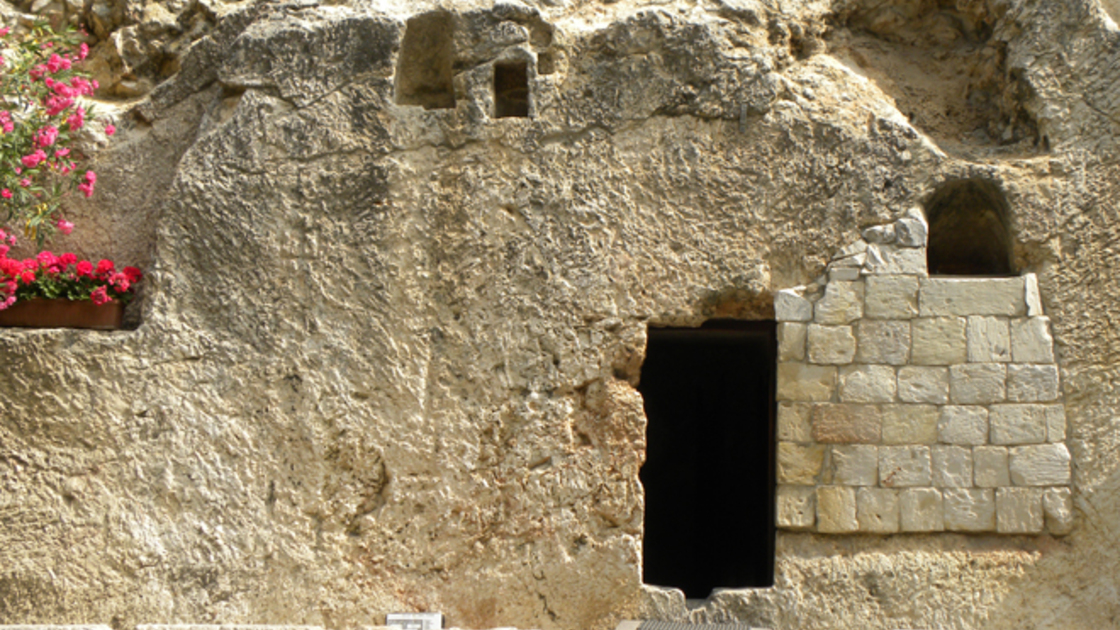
403 258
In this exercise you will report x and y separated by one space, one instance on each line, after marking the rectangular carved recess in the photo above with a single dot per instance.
511 90
917 404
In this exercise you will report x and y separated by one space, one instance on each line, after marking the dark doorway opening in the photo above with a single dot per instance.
709 471
968 230
511 90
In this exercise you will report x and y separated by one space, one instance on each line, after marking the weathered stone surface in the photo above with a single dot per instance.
963 425
909 424
791 306
1033 297
891 297
836 510
830 344
341 284
938 341
1017 424
791 342
969 510
921 511
877 510
1019 510
846 423
912 230
797 507
855 465
799 464
942 297
1032 383
1057 507
952 466
801 382
794 422
920 384
892 259
1055 423
989 340
977 383
842 304
867 383
883 341
904 466
1041 465
1031 341
989 467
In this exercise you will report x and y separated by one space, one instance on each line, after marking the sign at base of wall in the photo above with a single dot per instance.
415 621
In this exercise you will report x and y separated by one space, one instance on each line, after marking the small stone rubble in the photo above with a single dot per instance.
917 404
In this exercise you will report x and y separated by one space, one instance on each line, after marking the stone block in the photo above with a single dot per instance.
830 345
846 424
1032 295
836 510
909 424
1055 423
883 341
867 383
941 297
1017 424
989 340
989 467
969 509
963 425
794 423
877 510
891 297
938 341
952 466
855 465
799 464
842 304
1029 382
791 341
797 507
1040 465
1031 341
838 273
923 384
801 382
791 306
895 260
879 234
1057 508
911 231
904 466
1019 510
920 510
977 383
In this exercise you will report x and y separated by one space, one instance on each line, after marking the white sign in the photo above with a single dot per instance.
415 621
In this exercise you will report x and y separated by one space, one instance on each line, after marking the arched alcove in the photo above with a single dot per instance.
968 230
425 68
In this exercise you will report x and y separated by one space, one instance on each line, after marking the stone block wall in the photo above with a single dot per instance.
915 404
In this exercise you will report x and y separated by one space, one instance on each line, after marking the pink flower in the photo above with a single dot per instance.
46 258
4 31
65 226
83 50
120 282
100 296
67 259
104 266
33 160
77 119
133 274
91 177
87 189
110 130
25 182
84 269
61 153
7 194
46 136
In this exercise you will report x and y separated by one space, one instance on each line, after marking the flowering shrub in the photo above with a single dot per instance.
40 111
50 276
